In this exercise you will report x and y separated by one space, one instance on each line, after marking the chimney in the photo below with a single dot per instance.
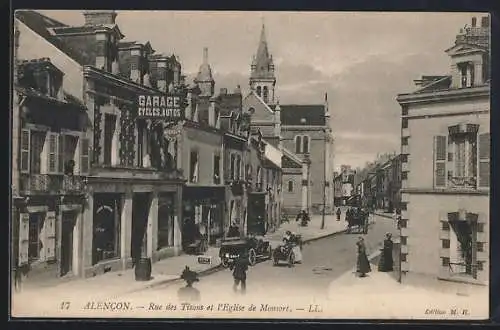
474 20
223 91
485 22
100 17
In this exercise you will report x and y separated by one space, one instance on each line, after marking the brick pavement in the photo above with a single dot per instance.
122 282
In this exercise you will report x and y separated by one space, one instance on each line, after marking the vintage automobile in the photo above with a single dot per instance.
285 252
255 248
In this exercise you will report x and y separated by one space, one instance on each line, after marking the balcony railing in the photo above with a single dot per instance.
467 182
52 184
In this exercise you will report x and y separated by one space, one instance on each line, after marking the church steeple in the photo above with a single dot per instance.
204 79
262 78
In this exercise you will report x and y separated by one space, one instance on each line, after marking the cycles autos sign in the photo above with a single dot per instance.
167 107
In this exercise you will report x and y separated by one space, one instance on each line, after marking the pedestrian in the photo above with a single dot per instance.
386 263
189 293
339 212
363 264
239 269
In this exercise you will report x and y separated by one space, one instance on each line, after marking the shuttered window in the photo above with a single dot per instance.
484 160
25 150
60 154
440 159
52 155
84 156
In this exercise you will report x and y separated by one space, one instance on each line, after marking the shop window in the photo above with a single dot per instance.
35 248
106 227
193 166
216 174
166 216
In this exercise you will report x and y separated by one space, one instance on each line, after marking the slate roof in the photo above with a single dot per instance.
292 114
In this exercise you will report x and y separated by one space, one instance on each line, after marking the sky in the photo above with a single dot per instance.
361 59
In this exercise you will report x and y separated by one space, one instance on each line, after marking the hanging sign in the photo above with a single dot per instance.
164 106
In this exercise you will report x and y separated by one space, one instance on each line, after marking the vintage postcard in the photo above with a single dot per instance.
292 165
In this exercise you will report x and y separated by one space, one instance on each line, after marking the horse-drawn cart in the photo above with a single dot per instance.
357 219
255 248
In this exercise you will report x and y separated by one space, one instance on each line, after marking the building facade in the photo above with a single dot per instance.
445 148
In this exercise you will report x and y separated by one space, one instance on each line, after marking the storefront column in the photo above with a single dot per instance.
178 222
88 234
152 229
126 228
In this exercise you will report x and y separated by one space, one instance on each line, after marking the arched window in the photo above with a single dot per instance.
259 92
266 94
290 186
298 144
305 144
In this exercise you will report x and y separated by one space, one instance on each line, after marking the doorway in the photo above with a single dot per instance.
67 249
140 212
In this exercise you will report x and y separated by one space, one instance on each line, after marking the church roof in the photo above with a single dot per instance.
262 63
205 71
302 114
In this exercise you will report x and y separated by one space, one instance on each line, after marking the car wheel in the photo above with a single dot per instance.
225 262
252 258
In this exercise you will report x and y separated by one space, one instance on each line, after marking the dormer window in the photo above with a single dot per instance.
466 70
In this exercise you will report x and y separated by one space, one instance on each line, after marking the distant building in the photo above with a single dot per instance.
445 147
304 130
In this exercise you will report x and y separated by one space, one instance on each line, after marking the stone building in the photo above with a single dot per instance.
304 130
445 147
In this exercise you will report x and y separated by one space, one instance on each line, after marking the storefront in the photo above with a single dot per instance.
203 214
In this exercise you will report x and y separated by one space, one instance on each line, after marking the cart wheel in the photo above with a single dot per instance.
225 262
252 258
291 260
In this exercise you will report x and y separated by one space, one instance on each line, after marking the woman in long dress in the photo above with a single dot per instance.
386 263
363 265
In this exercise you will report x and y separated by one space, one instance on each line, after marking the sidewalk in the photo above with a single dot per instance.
380 296
123 282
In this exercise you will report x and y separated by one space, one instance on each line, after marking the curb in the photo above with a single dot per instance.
216 268
383 215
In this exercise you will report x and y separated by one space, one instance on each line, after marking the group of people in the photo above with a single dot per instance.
386 262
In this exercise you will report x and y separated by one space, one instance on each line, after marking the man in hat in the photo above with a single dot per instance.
189 293
239 268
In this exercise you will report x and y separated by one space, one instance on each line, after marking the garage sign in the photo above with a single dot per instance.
162 106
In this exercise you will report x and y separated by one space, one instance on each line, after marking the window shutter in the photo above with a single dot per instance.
298 144
60 153
25 150
84 156
484 160
440 159
50 235
52 153
24 226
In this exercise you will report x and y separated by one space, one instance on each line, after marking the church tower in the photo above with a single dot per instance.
204 79
262 78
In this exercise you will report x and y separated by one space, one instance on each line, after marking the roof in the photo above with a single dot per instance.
229 103
290 160
303 115
49 28
68 99
434 83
